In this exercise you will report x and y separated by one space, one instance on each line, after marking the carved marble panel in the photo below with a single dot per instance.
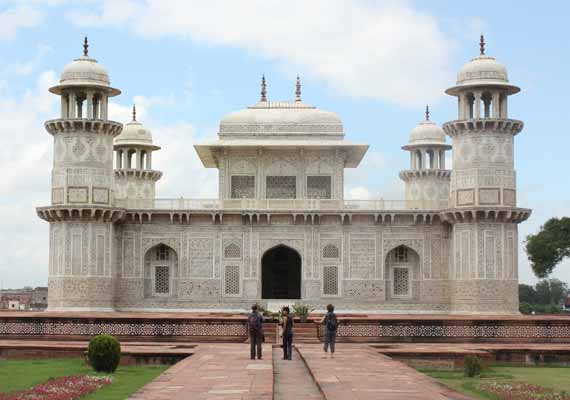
489 196
77 194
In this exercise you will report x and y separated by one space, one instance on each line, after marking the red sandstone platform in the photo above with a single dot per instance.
231 327
131 352
219 316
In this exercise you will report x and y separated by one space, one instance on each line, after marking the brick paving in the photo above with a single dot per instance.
358 372
292 379
215 371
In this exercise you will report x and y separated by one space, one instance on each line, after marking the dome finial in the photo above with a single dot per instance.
263 88
482 45
427 113
85 47
134 113
298 89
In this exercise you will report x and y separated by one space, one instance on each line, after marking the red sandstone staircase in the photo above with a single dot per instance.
305 332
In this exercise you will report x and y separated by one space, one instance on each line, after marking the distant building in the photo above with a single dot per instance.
566 305
25 299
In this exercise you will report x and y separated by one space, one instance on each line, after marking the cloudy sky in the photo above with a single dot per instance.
187 63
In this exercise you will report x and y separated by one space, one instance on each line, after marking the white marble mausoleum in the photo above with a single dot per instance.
280 229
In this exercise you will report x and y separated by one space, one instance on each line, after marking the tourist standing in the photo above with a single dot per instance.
287 325
255 327
330 322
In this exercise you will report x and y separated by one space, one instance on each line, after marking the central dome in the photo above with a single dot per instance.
281 118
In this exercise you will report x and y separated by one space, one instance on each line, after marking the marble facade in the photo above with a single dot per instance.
449 247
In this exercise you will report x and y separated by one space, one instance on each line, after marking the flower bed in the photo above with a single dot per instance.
522 391
65 388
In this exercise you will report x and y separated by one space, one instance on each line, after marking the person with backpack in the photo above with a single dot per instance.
330 322
255 328
287 325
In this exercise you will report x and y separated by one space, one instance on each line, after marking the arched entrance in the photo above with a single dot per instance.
281 273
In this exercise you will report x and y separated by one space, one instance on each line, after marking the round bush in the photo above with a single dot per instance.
104 353
473 366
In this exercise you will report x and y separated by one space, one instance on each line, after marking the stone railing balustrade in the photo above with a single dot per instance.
281 204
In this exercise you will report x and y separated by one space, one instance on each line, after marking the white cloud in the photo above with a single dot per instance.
358 193
389 50
25 161
25 68
18 17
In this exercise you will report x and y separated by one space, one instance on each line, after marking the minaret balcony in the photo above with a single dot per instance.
80 213
103 126
419 173
148 174
503 125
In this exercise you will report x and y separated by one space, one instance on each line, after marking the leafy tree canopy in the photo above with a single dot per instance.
549 246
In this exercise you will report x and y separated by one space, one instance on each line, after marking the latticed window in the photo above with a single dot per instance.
232 251
281 187
330 280
330 251
243 186
162 280
231 277
319 187
401 254
401 281
162 253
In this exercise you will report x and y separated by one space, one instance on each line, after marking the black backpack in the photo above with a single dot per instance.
254 322
331 322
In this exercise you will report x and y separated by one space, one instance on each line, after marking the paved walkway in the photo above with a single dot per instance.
358 372
292 378
215 371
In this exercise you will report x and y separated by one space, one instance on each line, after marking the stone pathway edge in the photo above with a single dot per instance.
310 372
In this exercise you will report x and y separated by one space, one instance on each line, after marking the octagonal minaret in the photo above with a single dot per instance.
82 207
427 180
483 210
134 177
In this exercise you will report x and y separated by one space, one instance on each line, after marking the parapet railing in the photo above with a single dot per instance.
281 204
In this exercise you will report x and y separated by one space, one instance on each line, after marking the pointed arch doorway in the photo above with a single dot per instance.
281 273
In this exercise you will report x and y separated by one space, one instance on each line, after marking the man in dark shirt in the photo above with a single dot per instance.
287 334
255 328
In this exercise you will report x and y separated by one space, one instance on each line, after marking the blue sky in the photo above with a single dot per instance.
187 63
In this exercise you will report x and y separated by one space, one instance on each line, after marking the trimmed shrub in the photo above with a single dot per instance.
525 308
473 366
302 311
104 353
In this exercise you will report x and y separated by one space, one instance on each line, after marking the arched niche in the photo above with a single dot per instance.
160 271
402 271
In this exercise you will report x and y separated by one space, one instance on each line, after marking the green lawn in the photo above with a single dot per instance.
557 378
24 374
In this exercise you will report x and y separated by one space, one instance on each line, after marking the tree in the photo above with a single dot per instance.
527 294
549 246
550 291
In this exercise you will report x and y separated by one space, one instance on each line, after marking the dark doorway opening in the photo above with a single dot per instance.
281 273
